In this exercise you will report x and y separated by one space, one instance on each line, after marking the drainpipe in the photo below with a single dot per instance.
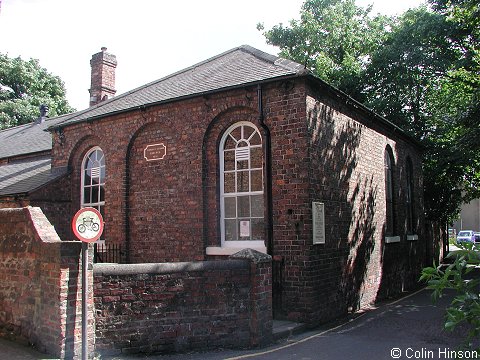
268 172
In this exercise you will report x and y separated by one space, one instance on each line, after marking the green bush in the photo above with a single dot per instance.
459 276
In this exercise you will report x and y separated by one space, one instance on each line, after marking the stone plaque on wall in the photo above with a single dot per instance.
155 152
318 220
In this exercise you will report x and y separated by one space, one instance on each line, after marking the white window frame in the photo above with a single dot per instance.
97 204
256 244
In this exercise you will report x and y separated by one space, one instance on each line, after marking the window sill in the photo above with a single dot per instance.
227 251
392 239
412 237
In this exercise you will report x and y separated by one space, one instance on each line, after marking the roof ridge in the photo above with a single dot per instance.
276 60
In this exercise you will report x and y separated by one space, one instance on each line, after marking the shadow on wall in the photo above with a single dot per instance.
344 177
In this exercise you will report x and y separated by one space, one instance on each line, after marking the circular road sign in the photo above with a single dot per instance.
87 225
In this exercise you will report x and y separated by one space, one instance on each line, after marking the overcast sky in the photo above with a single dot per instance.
151 38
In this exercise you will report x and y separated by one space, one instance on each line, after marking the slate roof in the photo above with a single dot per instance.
28 138
26 175
237 67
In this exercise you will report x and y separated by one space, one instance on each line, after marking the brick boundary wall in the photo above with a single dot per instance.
178 307
40 285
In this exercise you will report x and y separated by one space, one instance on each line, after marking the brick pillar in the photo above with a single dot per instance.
40 287
261 322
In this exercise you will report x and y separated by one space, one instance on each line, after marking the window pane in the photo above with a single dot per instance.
230 143
256 140
389 185
230 230
87 195
256 158
257 205
95 194
257 180
102 193
247 132
243 209
237 133
243 181
242 165
229 160
257 229
230 207
229 185
89 162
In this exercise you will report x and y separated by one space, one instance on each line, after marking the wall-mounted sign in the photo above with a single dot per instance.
155 152
318 219
87 224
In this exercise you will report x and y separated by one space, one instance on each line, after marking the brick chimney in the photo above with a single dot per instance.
103 76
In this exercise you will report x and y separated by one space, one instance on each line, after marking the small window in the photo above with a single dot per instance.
241 186
389 191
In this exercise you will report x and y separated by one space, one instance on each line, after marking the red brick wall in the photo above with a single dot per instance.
40 286
157 209
55 200
342 164
162 308
322 150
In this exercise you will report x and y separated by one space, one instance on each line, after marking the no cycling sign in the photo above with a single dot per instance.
87 225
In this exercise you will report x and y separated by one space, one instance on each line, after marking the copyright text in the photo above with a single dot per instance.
440 353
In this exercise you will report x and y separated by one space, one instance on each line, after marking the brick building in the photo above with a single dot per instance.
243 150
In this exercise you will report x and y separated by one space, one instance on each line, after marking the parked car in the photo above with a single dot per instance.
466 236
477 237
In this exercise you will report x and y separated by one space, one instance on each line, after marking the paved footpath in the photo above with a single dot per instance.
409 328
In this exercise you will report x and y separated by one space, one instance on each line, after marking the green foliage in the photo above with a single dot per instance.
334 39
420 71
408 69
465 307
25 85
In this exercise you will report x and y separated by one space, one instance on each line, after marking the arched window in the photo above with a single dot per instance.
410 197
241 186
93 180
389 191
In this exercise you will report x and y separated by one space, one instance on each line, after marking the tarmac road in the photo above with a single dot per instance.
409 328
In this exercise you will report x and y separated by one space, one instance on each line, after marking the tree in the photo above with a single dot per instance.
418 80
24 86
408 70
333 38
459 100
419 70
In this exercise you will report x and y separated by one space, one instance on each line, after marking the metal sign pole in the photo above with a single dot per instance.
84 301
87 225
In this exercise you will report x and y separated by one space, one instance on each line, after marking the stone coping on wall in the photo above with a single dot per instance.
252 255
168 268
